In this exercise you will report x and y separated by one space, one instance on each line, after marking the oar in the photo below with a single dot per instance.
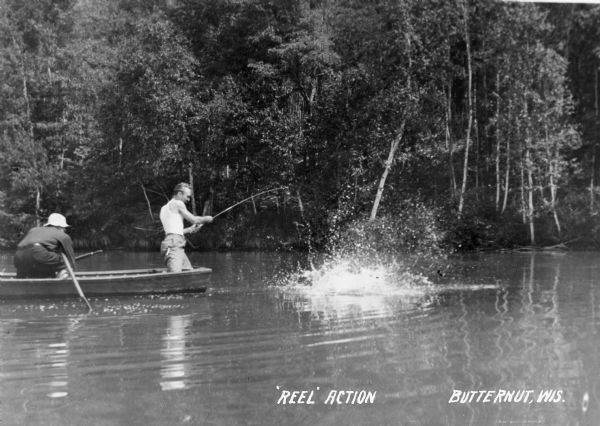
77 286
83 256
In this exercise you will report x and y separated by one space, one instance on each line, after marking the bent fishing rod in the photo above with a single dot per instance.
226 210
235 205
247 199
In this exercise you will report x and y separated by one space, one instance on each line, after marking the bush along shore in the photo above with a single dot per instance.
414 229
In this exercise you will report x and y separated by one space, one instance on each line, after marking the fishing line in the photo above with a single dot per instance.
237 204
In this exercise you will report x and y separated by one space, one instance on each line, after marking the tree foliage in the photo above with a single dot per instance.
486 112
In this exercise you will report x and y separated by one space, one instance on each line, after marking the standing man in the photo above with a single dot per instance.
39 253
171 217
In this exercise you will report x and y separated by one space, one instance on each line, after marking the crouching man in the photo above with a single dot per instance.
39 253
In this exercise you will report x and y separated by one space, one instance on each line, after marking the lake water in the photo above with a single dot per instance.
520 330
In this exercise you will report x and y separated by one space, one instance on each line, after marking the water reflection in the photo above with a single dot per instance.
174 368
513 322
58 354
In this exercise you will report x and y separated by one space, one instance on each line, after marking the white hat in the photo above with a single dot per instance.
57 219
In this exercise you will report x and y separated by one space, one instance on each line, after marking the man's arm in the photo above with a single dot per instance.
202 220
196 227
197 220
67 246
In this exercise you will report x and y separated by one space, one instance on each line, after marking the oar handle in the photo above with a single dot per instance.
75 283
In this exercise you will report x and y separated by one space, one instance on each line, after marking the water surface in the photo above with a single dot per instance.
514 322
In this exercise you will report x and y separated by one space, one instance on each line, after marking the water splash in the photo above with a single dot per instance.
348 277
342 286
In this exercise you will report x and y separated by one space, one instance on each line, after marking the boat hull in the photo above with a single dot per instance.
103 283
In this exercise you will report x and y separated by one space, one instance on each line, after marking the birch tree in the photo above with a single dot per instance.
465 25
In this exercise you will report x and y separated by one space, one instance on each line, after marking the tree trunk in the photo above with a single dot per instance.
506 178
470 108
527 208
208 204
120 152
450 143
386 171
498 178
27 107
191 179
147 201
594 165
530 208
300 204
592 183
476 144
553 157
523 205
528 164
553 204
507 171
38 197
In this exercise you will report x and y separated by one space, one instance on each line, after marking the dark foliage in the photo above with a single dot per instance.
105 105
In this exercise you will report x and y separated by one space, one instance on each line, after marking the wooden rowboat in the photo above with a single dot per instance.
102 283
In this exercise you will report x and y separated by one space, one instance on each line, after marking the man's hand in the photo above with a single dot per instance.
192 229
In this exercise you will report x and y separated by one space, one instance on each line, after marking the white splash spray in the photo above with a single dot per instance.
341 283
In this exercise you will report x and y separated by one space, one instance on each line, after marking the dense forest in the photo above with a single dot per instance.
472 124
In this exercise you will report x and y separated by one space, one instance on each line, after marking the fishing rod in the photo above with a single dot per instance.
249 198
235 205
221 212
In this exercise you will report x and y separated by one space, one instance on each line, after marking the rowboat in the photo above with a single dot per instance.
103 283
